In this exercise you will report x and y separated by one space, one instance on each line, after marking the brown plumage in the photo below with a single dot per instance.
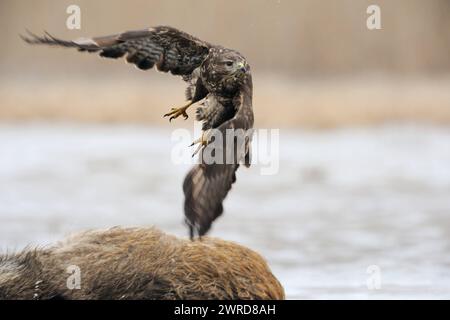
219 76
138 263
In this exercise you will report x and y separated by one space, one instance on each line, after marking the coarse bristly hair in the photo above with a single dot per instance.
138 263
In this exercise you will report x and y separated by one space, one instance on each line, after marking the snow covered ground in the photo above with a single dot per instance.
343 202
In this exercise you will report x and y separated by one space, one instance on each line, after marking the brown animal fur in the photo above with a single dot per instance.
138 263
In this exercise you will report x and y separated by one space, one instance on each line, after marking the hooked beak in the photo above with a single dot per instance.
242 67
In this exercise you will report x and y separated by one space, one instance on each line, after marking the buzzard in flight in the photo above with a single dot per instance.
218 77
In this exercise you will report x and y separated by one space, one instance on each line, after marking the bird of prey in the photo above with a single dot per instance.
217 77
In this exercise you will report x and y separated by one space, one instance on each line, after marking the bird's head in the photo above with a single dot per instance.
230 62
227 67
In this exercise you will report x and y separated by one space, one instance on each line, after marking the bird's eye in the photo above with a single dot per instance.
229 63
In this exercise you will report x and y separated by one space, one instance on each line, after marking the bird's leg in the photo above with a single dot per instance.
176 112
202 141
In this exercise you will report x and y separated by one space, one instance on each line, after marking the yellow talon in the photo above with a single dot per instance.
202 141
176 112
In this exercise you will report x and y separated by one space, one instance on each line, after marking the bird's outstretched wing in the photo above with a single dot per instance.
166 47
206 185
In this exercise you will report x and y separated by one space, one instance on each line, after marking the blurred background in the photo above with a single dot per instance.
364 152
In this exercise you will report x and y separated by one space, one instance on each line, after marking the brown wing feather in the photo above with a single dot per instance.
171 50
206 185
